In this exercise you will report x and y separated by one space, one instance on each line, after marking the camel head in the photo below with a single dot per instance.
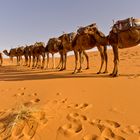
6 52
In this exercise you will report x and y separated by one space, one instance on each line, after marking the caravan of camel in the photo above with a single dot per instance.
124 34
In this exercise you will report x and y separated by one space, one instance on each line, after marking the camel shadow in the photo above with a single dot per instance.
12 74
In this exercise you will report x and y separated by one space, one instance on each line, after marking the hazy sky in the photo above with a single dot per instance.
26 21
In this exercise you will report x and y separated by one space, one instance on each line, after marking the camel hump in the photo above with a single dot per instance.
71 36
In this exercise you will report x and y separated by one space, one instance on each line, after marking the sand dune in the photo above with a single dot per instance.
52 105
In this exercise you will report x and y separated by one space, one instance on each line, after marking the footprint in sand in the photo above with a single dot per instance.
93 137
94 121
22 88
31 102
17 129
76 116
131 129
111 124
30 128
70 129
108 133
19 94
82 106
34 94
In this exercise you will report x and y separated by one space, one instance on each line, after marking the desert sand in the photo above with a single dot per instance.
52 105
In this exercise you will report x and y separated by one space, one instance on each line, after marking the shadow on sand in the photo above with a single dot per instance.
11 73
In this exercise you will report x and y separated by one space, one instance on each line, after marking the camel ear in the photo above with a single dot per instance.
92 25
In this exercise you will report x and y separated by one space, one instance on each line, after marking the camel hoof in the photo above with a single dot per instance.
74 72
87 68
57 67
113 75
105 72
98 72
61 69
79 71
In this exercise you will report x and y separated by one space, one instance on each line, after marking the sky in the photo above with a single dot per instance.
23 22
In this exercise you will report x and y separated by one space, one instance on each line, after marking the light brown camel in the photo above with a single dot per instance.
53 46
12 53
101 40
1 59
38 50
67 40
84 41
124 34
15 52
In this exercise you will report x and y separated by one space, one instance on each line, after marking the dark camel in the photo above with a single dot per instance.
38 50
28 53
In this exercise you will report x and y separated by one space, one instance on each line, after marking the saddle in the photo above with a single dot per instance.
126 24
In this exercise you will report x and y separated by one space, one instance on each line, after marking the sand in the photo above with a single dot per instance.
53 105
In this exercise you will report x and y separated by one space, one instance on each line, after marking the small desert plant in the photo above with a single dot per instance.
20 122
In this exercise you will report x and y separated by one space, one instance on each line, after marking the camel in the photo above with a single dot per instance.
53 46
101 40
1 59
15 52
67 40
27 54
20 53
86 39
124 34
12 53
37 51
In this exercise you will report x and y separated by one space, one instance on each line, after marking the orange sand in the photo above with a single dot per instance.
53 105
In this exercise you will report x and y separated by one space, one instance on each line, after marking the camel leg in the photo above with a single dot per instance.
64 61
116 61
76 61
21 60
65 55
102 58
87 58
60 62
17 60
48 58
38 64
37 59
53 61
29 61
26 60
43 61
81 61
33 61
106 59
